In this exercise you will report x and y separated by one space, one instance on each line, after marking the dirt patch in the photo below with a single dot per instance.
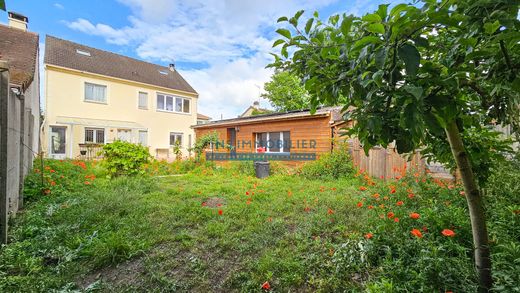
127 273
214 202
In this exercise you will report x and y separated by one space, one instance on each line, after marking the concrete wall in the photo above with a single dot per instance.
64 97
19 142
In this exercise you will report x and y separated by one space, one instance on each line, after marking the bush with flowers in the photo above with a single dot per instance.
417 236
54 177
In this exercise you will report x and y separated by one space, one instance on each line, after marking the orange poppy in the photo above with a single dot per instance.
359 204
448 233
368 235
396 219
390 215
417 233
266 286
362 188
400 203
415 216
220 212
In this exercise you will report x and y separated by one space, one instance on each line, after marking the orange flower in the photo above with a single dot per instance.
269 219
370 207
289 193
392 191
400 203
448 233
396 219
368 235
330 212
53 183
266 286
87 183
411 195
376 195
47 191
220 212
359 204
415 216
462 193
417 233
385 198
307 209
390 215
362 188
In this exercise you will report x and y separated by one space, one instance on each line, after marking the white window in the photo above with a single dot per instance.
143 100
95 93
143 137
166 103
94 135
58 139
273 142
175 137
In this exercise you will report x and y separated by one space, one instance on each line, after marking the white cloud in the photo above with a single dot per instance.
228 37
59 6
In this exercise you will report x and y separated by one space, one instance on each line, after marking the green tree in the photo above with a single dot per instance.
433 77
286 92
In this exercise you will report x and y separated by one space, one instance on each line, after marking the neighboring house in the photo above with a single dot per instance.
309 133
203 119
297 133
19 113
94 97
255 110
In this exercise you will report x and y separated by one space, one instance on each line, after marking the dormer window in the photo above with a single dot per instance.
163 72
84 53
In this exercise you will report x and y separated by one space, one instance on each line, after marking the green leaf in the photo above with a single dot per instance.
416 91
2 5
278 42
411 57
283 18
398 9
490 28
374 17
378 78
366 40
298 14
376 28
284 32
382 10
346 24
308 25
380 57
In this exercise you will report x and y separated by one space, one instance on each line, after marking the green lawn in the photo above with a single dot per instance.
166 234
215 230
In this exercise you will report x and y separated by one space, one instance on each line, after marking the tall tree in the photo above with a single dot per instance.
433 77
286 92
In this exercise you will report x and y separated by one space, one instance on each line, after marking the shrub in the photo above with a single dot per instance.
161 167
57 177
124 158
334 165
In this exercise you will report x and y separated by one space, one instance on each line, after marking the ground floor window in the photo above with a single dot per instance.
94 135
273 142
143 137
58 139
124 135
175 138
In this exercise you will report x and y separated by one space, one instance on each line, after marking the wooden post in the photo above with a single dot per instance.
4 99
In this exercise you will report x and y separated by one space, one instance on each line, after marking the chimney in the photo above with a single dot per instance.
172 66
256 104
18 21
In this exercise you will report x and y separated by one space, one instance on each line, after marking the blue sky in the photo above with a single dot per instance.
220 47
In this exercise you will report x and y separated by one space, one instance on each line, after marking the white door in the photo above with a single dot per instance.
124 135
57 143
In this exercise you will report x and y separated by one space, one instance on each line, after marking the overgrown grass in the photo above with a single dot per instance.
217 229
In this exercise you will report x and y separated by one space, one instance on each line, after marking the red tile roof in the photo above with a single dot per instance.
20 49
65 54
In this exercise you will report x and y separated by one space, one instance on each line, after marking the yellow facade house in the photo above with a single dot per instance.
93 97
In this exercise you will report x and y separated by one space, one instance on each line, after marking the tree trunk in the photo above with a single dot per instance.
476 208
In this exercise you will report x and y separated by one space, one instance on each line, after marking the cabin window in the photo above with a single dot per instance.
94 135
273 142
95 93
175 137
143 100
173 104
